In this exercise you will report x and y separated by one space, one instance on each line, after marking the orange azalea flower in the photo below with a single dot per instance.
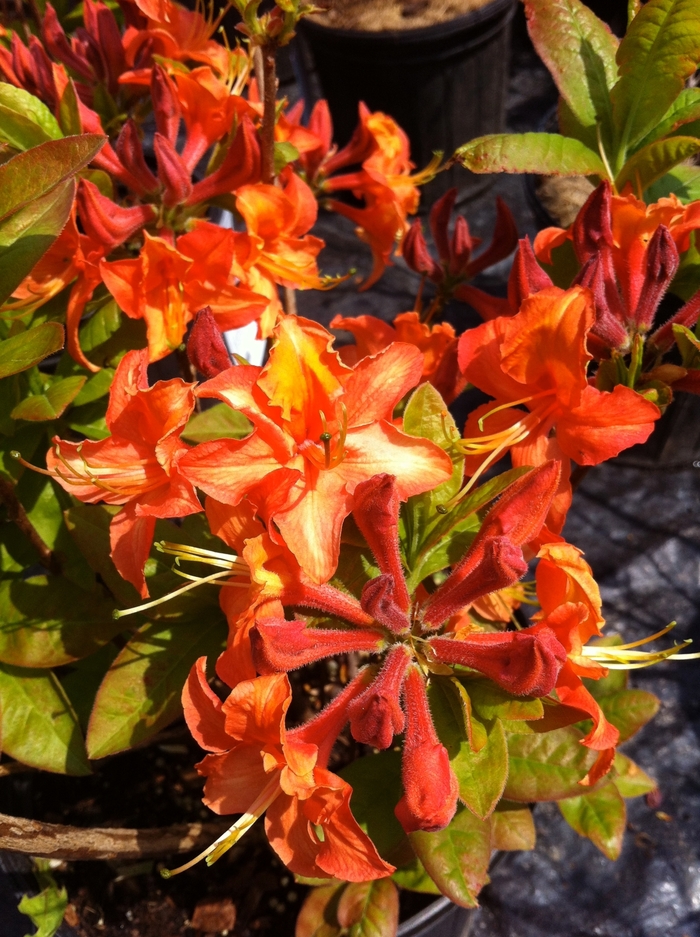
257 766
137 466
538 359
438 344
321 427
571 607
168 283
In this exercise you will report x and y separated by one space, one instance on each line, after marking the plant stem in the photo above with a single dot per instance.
18 516
269 95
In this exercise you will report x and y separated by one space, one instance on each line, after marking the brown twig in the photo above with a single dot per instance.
269 95
55 841
290 301
18 516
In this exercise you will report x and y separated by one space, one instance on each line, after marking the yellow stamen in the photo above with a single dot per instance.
123 612
623 657
228 839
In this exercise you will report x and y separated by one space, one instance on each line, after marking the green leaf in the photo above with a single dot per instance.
27 234
413 877
546 766
547 153
140 693
684 110
512 827
46 622
83 681
579 51
376 790
100 327
654 161
659 52
46 910
69 111
447 539
630 779
629 710
24 120
317 917
481 774
52 404
457 858
284 154
682 181
33 174
492 702
369 909
29 348
218 422
89 527
600 816
89 420
426 415
39 727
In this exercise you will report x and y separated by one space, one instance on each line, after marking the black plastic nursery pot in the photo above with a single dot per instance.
444 84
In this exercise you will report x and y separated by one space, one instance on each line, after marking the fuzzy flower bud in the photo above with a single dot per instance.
376 716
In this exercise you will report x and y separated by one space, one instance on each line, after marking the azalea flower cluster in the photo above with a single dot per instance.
183 115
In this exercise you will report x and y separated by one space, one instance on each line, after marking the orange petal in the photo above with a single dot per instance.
377 383
234 779
131 538
255 709
202 709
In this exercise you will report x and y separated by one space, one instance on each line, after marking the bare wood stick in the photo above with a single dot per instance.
17 514
55 841
290 301
267 130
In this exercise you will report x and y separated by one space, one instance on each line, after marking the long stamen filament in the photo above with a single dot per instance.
512 403
185 553
624 657
228 839
123 612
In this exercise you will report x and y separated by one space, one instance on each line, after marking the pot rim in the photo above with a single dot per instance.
420 34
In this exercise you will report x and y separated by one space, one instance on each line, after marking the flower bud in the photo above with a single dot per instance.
592 228
429 783
526 275
440 221
280 645
660 264
376 716
58 46
106 222
376 512
172 172
687 315
460 248
241 166
598 275
206 348
130 153
416 254
525 663
503 243
166 106
379 601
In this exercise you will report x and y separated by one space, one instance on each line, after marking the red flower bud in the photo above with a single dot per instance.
661 261
598 275
42 72
376 716
461 248
130 153
489 565
379 601
592 229
206 348
525 663
323 730
687 315
241 166
58 46
503 243
522 509
102 27
416 254
526 275
376 512
106 222
430 785
166 106
280 645
172 172
439 223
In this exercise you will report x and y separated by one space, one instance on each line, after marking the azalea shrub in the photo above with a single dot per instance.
208 544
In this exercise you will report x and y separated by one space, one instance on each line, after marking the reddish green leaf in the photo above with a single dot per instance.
630 779
89 526
579 50
24 120
457 858
512 827
629 710
600 816
140 693
317 917
52 404
376 790
45 622
492 702
654 161
481 774
218 422
546 153
33 174
28 348
69 110
659 52
369 909
546 766
39 727
684 110
413 877
27 234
